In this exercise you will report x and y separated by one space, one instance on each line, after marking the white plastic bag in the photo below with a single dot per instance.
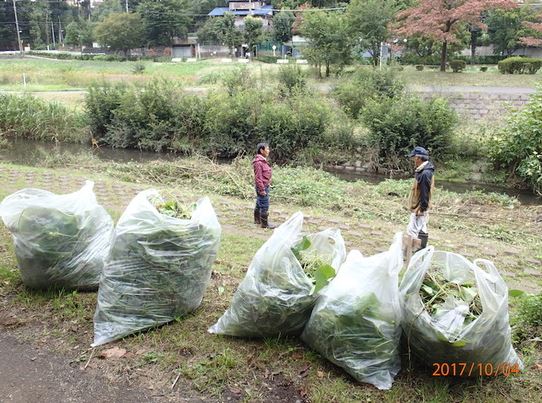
158 268
276 296
60 240
446 337
356 321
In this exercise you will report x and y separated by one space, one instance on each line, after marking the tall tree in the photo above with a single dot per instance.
443 20
79 33
253 33
8 34
228 33
121 31
506 28
368 23
282 26
105 8
164 20
328 39
210 31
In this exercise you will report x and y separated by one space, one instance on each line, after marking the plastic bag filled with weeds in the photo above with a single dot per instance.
283 281
159 265
61 241
456 311
356 321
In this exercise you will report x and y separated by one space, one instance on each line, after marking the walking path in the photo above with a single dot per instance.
32 374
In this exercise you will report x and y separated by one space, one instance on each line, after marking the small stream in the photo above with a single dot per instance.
27 152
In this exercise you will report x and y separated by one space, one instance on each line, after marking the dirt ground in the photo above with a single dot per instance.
34 374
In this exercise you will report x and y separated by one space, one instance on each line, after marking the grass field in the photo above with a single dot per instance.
56 75
222 368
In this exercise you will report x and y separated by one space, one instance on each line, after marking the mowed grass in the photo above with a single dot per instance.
471 76
57 75
252 370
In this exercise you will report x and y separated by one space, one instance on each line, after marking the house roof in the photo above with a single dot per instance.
265 10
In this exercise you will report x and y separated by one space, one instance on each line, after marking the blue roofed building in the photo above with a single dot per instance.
242 9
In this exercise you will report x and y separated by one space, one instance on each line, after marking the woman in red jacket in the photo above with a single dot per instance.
262 179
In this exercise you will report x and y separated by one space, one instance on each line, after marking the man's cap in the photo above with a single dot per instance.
419 151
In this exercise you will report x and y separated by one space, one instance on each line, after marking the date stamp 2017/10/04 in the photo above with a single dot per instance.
474 369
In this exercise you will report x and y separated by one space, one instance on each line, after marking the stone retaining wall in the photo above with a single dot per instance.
480 105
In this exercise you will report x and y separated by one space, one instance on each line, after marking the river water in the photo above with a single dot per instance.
26 152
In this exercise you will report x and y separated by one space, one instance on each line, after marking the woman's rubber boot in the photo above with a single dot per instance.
257 218
265 223
424 237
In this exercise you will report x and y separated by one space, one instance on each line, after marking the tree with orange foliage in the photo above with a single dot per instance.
442 20
535 36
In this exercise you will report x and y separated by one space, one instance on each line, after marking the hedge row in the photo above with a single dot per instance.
520 65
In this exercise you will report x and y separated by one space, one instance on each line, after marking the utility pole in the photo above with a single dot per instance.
47 30
53 31
126 2
60 38
17 28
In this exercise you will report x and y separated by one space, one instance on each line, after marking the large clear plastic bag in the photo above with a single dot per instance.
446 337
356 321
158 267
61 241
276 296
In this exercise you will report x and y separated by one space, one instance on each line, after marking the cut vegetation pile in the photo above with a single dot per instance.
61 241
456 311
356 321
278 292
159 265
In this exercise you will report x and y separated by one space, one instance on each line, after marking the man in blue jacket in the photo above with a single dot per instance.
420 195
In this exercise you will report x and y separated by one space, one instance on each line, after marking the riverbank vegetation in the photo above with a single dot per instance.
369 117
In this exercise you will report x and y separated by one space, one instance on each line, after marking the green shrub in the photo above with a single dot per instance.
232 120
458 65
291 79
419 67
434 60
396 125
520 65
33 118
338 144
138 68
293 125
237 80
483 69
145 118
488 59
266 59
518 147
158 117
365 84
527 323
110 58
101 102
